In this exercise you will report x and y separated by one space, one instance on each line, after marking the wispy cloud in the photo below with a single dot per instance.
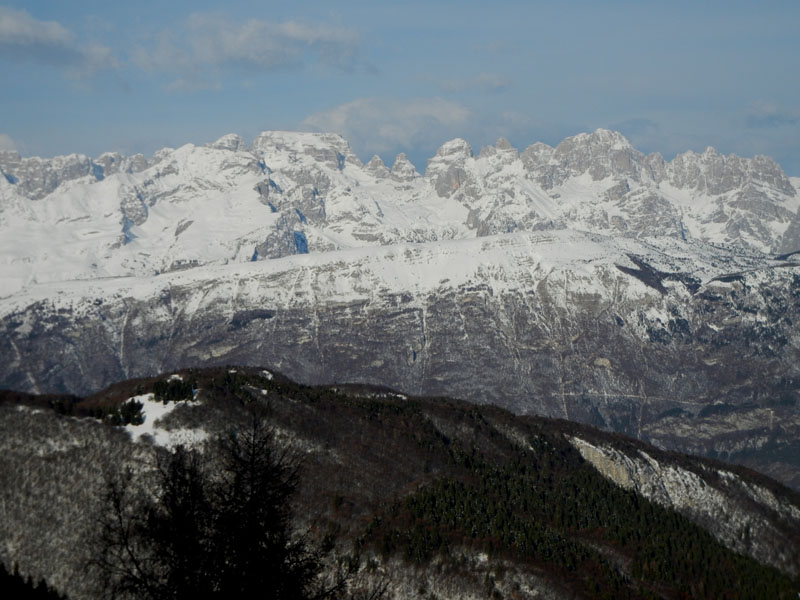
376 126
207 43
6 143
762 115
483 82
25 38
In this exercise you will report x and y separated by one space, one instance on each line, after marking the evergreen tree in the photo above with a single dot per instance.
253 530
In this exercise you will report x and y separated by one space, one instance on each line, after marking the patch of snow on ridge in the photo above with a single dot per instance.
153 411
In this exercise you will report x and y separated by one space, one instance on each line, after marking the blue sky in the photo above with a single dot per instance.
90 76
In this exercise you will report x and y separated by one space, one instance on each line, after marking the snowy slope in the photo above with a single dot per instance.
503 263
152 426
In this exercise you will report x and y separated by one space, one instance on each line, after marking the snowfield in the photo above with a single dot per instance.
152 428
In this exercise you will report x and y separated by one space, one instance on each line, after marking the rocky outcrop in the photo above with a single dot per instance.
377 167
790 240
601 154
715 498
35 177
402 169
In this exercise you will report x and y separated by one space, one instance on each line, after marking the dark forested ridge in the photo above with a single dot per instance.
438 497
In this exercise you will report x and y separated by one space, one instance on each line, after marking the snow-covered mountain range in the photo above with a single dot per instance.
73 217
586 281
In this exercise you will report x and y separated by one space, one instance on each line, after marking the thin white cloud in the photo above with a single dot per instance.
25 38
20 28
377 126
483 82
208 43
163 54
6 143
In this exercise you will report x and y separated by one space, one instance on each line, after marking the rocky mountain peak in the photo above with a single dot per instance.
457 148
502 146
715 173
114 162
454 152
601 154
377 167
230 141
37 177
447 169
161 154
328 148
402 168
604 138
110 161
536 156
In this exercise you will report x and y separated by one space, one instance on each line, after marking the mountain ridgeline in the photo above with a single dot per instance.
430 497
292 193
586 281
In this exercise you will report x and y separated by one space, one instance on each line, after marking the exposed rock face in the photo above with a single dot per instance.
601 154
718 499
402 169
36 177
377 167
114 162
790 240
330 149
716 174
231 142
446 171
